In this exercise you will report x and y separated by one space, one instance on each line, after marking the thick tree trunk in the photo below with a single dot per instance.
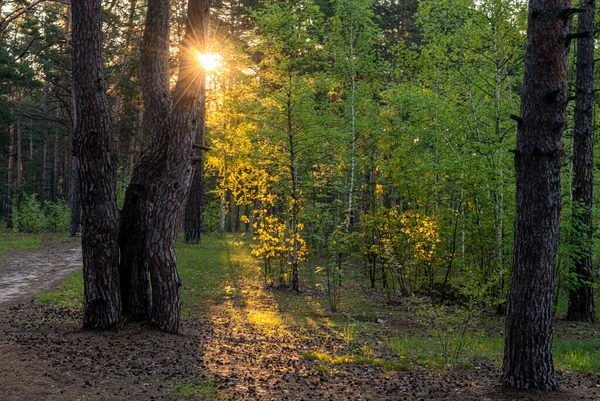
192 222
75 197
528 341
93 145
172 196
141 193
581 298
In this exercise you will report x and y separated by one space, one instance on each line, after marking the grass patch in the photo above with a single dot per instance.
356 359
581 356
10 241
316 356
207 389
426 350
69 294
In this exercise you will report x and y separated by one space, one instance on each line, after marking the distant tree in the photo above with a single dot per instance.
581 296
93 145
528 341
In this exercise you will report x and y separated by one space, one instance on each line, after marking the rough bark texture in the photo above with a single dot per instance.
528 340
45 151
192 222
172 195
10 177
92 143
75 187
581 298
141 193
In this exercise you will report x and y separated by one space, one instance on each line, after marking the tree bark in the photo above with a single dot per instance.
141 193
93 145
192 223
19 145
46 152
10 175
581 298
75 187
172 196
528 342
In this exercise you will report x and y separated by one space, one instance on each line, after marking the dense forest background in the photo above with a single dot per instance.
343 132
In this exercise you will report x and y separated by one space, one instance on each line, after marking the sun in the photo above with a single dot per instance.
210 61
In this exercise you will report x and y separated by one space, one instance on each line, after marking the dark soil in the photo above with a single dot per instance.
44 355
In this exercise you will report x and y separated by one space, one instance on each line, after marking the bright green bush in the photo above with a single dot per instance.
31 216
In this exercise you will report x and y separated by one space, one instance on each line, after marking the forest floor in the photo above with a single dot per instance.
240 341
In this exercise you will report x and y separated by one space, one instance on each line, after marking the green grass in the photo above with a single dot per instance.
427 350
10 241
581 356
207 389
69 294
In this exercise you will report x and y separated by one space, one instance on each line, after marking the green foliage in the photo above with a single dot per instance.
452 328
58 216
426 350
30 216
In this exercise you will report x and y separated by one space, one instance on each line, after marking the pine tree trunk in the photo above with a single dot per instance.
145 181
172 196
55 164
192 224
19 145
581 298
10 177
93 145
528 341
75 187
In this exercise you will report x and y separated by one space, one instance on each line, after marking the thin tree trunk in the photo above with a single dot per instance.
19 146
294 260
353 129
93 145
528 341
10 176
172 196
56 162
46 149
30 139
581 297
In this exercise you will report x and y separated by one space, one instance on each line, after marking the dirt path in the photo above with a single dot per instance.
25 273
